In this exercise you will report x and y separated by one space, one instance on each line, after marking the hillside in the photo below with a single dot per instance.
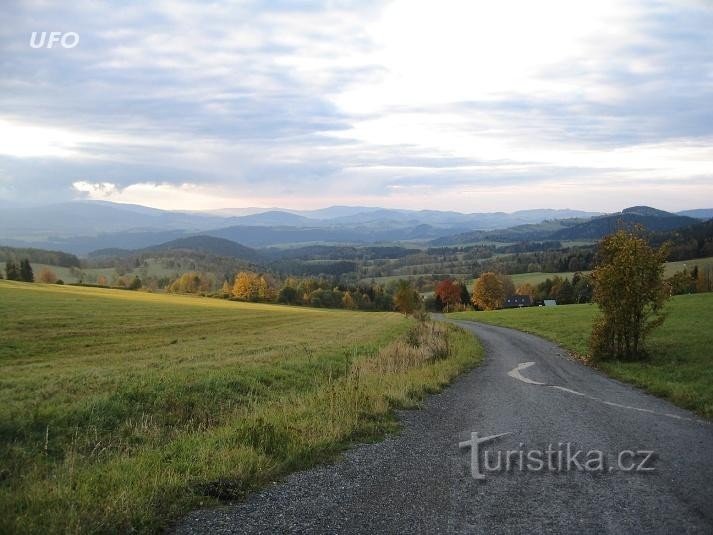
127 409
39 256
207 245
700 213
528 232
651 218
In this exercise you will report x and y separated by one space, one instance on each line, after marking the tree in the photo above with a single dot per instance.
631 294
406 299
449 293
565 295
348 301
464 293
250 286
681 283
225 290
12 271
47 276
135 284
488 292
26 274
704 279
508 285
526 289
288 295
102 280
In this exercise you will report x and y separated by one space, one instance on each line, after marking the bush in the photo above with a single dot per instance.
630 292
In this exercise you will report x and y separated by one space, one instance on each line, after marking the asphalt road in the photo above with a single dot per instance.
420 481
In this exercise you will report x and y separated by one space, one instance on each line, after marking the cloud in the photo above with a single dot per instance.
468 105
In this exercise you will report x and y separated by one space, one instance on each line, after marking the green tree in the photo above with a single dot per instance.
12 272
288 295
631 294
26 274
135 284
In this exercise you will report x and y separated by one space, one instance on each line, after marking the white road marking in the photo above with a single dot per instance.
515 374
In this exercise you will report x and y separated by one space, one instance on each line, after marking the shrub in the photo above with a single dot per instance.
630 292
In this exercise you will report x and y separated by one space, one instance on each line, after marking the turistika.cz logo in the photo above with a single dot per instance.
49 39
563 458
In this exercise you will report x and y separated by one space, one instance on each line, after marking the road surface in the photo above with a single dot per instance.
421 481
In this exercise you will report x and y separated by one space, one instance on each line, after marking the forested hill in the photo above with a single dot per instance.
650 218
40 256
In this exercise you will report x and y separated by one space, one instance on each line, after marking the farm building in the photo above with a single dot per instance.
516 301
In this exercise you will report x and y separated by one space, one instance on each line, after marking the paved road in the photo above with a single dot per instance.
420 481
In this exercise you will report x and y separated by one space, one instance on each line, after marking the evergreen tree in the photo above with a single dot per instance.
12 272
26 274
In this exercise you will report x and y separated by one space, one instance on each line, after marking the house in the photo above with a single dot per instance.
517 301
550 303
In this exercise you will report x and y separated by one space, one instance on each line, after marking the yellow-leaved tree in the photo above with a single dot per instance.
630 291
488 292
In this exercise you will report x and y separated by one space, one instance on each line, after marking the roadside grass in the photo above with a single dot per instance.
120 411
680 367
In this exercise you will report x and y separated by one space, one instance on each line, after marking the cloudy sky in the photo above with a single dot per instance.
464 105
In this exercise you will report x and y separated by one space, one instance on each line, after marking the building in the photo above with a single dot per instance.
517 301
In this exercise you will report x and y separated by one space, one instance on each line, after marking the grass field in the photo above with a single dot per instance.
154 268
120 411
681 350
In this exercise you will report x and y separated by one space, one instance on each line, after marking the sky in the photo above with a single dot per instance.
455 105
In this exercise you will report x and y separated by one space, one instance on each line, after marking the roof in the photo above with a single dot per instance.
518 301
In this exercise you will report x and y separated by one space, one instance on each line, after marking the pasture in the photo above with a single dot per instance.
120 411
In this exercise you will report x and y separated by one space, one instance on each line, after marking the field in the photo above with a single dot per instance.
120 411
681 350
154 268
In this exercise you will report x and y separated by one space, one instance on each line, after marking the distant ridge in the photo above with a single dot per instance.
199 244
700 213
650 218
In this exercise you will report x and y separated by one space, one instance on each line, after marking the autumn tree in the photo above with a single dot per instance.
251 286
47 276
526 289
225 290
406 299
102 280
508 285
630 291
348 301
449 293
488 292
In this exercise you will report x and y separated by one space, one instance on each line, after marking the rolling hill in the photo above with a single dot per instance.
651 218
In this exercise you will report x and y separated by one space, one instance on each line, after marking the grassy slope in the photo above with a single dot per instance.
121 410
681 364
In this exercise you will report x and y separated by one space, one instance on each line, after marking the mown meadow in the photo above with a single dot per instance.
120 411
680 363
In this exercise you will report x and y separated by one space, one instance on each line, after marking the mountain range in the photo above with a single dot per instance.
81 227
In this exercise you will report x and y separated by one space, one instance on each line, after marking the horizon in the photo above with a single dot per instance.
187 106
254 210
